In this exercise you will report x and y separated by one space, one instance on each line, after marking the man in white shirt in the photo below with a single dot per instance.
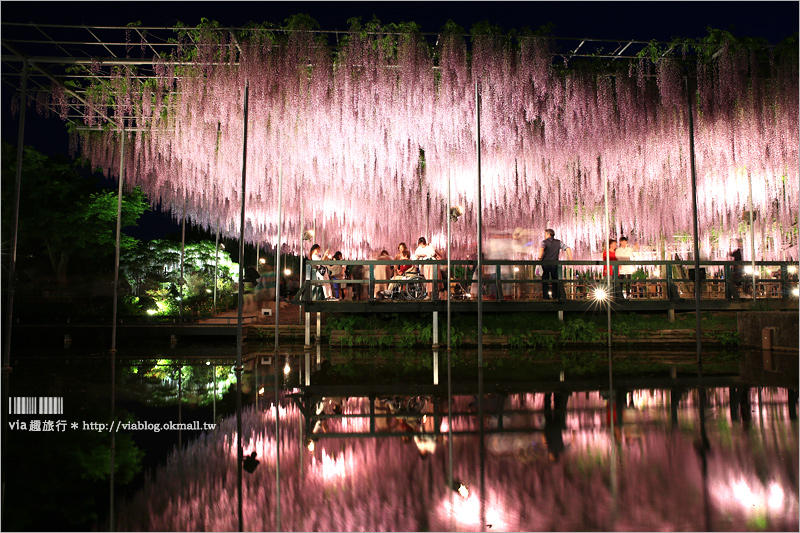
624 253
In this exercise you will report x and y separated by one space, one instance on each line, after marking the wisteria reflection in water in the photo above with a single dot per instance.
384 484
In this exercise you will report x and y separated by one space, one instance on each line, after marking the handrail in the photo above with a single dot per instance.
717 281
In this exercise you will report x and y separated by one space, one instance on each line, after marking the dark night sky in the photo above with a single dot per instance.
644 20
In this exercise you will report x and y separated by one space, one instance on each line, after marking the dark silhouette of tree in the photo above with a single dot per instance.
63 214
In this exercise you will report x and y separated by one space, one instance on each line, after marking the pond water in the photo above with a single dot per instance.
548 446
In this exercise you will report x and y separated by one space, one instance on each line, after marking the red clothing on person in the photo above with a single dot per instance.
613 257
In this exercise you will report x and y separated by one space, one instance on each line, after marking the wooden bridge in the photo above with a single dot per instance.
513 286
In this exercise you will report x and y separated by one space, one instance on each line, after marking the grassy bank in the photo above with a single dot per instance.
527 330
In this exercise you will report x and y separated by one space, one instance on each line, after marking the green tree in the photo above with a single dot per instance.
62 212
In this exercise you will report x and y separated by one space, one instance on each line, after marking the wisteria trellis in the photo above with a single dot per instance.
368 135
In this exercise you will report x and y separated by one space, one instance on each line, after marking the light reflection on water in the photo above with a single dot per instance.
389 483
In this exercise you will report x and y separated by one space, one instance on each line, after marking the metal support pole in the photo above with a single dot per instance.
752 234
696 231
436 347
216 265
13 262
14 232
449 266
609 296
214 412
180 407
113 350
278 256
183 246
238 368
275 369
482 512
301 273
479 223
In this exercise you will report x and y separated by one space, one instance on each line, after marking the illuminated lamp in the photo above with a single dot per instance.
599 294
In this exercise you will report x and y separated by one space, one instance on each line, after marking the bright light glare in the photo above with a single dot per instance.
151 312
600 294
775 497
261 390
208 363
287 368
287 272
262 261
208 291
748 270
744 494
310 445
463 491
796 291
516 269
792 269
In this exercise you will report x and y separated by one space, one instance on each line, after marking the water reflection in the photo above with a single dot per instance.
378 463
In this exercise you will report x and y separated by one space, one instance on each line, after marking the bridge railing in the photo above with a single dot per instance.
522 280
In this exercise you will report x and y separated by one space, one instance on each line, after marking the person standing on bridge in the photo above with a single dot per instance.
427 252
549 250
320 273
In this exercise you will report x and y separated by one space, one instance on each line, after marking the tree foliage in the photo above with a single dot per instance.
63 213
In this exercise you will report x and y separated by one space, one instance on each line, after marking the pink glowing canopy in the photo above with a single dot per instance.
367 133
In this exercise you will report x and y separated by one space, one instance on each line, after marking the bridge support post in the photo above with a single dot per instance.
436 366
308 330
671 315
436 330
561 316
307 368
173 341
319 327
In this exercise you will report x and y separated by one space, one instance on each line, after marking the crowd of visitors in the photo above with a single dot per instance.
549 251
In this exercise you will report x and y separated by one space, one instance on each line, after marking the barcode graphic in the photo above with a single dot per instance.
31 405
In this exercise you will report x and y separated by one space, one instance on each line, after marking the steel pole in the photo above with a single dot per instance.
13 262
449 351
610 292
216 265
278 255
752 235
275 358
696 231
183 245
482 512
14 233
113 350
214 407
300 274
238 368
479 223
